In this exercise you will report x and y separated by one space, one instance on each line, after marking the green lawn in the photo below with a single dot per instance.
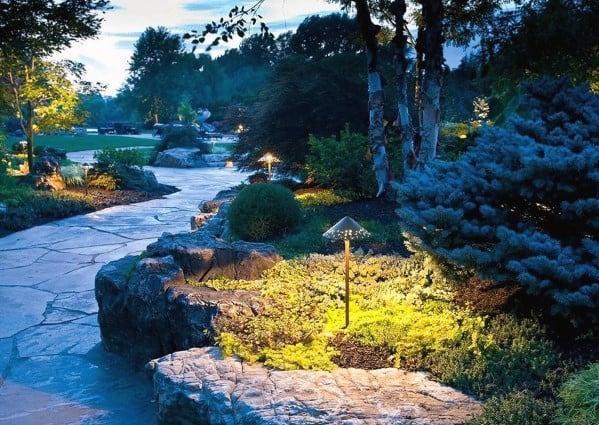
90 142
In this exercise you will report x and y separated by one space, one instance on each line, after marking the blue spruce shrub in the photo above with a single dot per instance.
522 205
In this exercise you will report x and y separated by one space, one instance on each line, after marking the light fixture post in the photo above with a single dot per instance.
269 169
86 168
347 253
346 229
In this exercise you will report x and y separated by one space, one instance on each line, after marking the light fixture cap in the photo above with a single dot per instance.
346 229
268 157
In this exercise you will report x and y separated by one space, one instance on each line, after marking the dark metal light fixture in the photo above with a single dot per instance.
346 229
86 167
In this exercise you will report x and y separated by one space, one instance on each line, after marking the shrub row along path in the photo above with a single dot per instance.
53 369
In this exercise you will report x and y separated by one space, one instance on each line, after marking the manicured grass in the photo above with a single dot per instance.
90 142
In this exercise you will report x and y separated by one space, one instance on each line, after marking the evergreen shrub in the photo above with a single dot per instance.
264 210
579 397
522 205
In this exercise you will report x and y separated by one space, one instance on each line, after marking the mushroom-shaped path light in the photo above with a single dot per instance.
346 229
269 159
86 167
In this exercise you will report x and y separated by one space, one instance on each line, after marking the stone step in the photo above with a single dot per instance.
198 386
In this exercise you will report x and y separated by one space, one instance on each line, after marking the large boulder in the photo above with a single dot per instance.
198 386
46 173
180 158
146 309
203 256
136 178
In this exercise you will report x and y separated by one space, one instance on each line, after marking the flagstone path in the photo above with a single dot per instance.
53 369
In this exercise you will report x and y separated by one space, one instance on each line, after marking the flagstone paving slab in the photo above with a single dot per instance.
21 308
56 370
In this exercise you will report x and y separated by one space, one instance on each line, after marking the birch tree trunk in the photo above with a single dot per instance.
432 14
376 97
402 122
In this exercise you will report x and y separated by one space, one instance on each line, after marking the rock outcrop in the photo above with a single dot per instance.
197 386
136 178
189 157
146 309
203 257
46 173
180 158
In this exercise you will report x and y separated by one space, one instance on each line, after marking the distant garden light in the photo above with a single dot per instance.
269 159
463 136
240 129
86 167
346 229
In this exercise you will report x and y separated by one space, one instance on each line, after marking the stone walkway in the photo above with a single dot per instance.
52 368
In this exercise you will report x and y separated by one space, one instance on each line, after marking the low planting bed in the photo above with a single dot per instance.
426 343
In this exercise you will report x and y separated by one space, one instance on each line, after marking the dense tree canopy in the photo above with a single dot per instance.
37 28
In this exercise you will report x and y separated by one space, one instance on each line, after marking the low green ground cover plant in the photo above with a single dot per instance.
579 398
405 309
27 206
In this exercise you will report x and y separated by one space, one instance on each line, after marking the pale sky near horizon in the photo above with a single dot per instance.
106 57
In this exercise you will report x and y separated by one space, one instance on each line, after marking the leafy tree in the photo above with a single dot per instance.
100 110
38 28
41 96
31 30
521 206
160 74
321 36
322 105
546 37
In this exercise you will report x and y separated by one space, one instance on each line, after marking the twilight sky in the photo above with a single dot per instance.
106 57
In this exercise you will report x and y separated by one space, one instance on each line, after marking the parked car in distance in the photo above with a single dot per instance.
119 128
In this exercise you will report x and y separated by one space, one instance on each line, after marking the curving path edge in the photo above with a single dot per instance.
53 369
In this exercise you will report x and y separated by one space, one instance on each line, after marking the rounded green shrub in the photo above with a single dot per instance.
579 397
263 210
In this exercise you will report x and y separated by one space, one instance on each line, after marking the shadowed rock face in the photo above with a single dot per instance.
197 386
146 309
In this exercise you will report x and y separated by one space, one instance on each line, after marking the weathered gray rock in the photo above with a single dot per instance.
147 310
204 257
213 206
180 158
198 387
46 173
198 220
136 178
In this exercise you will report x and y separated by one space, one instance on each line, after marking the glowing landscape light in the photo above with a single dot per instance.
346 229
269 159
86 167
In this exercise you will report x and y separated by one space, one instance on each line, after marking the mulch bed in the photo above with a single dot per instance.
356 355
486 297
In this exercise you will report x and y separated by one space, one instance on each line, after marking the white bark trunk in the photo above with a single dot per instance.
431 118
376 131
432 14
